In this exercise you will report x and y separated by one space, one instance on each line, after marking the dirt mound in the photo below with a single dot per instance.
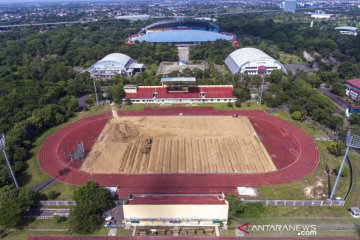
122 132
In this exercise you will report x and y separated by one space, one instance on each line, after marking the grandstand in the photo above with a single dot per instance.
252 61
181 31
179 90
115 63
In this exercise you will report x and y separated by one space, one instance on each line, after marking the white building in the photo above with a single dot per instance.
289 6
252 61
347 30
323 16
115 63
176 210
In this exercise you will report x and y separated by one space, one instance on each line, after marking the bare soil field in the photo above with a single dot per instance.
179 144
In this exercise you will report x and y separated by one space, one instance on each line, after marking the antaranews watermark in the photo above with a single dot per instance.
299 229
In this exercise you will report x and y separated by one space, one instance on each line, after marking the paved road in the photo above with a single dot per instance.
46 213
45 24
340 103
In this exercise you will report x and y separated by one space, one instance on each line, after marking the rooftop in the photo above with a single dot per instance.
194 93
347 28
177 79
183 36
354 82
116 57
170 200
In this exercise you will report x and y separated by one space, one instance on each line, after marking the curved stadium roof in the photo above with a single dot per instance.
244 55
346 28
183 23
113 61
183 36
116 57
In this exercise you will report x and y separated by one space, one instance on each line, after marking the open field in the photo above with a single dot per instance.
180 144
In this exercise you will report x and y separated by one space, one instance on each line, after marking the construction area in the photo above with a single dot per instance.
178 144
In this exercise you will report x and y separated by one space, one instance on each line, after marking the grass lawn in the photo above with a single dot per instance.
315 183
287 58
34 175
306 127
217 106
24 234
224 106
134 107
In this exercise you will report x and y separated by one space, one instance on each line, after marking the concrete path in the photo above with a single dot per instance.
46 213
183 53
341 104
112 232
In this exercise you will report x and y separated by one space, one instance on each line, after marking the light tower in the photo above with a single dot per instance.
352 141
12 175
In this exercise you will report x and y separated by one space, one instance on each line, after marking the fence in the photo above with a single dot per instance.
321 203
66 203
300 203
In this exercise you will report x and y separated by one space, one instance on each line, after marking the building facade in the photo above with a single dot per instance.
347 30
115 63
176 210
353 89
252 61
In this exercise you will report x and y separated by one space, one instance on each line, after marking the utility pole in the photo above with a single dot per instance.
12 175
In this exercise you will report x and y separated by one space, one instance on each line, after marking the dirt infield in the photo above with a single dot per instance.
180 144
293 152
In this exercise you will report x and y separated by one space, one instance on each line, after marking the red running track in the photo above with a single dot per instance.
293 152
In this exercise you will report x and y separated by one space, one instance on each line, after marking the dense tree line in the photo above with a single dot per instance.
293 36
297 93
215 52
38 82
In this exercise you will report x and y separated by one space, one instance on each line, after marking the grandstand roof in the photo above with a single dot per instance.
194 93
182 22
116 57
183 36
177 79
346 28
354 82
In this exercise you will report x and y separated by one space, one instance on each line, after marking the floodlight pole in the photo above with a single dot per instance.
339 173
352 141
262 88
96 96
12 175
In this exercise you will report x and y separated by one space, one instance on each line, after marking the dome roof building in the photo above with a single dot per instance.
115 63
252 61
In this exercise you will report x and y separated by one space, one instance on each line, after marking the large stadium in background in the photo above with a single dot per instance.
181 31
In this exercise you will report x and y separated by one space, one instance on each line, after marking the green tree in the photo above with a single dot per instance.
296 115
117 93
275 76
234 206
336 148
14 203
91 201
355 119
338 89
242 94
345 171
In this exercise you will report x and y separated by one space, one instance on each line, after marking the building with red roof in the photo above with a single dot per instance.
179 90
353 88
